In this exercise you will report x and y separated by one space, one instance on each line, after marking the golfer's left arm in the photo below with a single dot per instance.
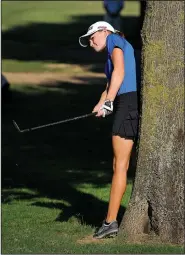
117 74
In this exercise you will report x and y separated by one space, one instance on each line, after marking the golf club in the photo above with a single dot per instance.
54 123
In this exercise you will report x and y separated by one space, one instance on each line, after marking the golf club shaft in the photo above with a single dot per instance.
54 123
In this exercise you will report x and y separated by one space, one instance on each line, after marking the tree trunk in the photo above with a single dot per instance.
157 201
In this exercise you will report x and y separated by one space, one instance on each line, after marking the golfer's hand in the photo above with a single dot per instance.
107 108
103 109
97 109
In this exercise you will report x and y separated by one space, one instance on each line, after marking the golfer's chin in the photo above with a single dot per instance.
97 49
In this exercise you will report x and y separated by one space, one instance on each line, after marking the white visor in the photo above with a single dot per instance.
100 25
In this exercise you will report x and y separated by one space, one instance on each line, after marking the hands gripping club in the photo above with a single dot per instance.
107 108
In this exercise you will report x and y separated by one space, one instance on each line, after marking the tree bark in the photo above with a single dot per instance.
157 201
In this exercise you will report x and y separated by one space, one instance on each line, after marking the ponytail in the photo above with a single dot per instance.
117 32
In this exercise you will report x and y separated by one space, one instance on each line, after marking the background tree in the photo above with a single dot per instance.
157 202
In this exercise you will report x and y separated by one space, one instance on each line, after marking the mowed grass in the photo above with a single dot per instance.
54 237
43 32
54 11
56 181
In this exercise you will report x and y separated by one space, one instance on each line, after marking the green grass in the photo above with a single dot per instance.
23 12
32 229
43 31
21 66
56 181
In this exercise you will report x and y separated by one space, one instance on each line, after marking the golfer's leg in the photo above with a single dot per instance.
122 150
107 18
117 23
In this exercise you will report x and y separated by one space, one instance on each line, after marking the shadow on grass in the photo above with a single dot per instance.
54 161
59 42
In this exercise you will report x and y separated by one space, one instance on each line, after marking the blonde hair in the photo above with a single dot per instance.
117 32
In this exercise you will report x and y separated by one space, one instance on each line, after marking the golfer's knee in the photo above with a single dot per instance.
114 165
120 165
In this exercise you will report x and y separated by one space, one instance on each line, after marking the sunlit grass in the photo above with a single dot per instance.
56 181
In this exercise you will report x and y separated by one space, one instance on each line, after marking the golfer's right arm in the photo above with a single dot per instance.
101 101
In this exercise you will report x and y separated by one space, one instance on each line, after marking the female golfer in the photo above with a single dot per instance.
120 95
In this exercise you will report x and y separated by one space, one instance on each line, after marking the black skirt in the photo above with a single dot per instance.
126 116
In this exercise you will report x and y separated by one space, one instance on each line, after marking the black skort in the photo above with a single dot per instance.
126 116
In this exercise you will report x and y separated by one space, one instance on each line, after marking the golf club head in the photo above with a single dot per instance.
16 126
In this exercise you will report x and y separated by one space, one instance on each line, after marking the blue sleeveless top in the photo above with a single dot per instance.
129 81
